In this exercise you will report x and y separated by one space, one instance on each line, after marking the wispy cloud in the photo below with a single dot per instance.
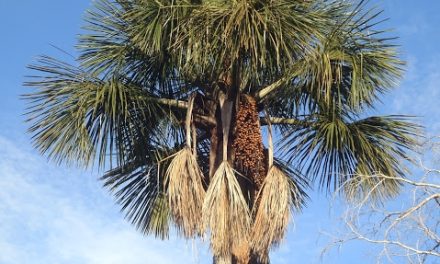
51 215
54 215
419 93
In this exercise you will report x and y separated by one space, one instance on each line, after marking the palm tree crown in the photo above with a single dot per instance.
173 96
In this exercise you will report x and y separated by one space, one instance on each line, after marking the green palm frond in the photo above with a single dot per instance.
117 43
345 71
359 61
139 184
334 150
299 183
155 24
106 50
265 37
76 116
141 196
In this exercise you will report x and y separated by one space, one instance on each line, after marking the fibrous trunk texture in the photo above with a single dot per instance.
214 151
253 259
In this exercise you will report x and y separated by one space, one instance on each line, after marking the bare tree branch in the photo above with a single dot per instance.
410 233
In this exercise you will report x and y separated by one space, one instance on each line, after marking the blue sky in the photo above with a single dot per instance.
52 214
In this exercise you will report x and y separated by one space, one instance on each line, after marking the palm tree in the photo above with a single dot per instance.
173 98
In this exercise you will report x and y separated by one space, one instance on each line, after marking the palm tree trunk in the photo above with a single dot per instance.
256 260
233 260
245 151
249 160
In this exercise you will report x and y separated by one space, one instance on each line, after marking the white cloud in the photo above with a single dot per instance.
53 215
418 94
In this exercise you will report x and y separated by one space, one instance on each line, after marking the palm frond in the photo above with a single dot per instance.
185 182
76 116
186 192
226 212
345 71
117 42
300 184
139 184
333 150
263 37
141 196
277 197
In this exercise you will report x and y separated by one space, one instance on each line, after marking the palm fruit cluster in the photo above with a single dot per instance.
247 143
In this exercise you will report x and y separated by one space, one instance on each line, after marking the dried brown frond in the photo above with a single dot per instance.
273 212
241 253
186 192
225 211
223 260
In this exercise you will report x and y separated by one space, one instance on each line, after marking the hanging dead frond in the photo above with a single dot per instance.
225 211
276 199
242 253
223 260
185 186
186 192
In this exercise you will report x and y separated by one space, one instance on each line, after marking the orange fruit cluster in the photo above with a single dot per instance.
248 141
